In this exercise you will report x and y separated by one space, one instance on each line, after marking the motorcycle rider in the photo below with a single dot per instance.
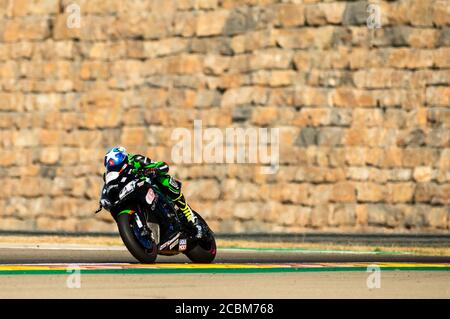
118 157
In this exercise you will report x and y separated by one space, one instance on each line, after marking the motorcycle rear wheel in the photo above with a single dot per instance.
205 250
144 255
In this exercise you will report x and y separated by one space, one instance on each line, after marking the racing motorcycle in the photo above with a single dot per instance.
145 218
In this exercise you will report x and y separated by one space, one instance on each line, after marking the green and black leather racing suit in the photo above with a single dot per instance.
167 183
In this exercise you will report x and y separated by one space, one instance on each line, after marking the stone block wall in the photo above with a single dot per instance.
363 113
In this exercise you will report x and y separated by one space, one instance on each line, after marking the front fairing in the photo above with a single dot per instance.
119 188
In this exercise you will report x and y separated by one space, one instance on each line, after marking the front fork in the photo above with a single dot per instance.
142 232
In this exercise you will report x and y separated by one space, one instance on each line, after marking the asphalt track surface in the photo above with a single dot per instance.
121 255
42 272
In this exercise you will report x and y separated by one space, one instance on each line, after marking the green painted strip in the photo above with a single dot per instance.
155 271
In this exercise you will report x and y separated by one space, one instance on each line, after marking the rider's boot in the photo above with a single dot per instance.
189 215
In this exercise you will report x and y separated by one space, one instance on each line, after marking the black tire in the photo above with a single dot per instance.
146 256
204 252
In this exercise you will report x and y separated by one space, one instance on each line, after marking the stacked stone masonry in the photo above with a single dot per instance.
363 113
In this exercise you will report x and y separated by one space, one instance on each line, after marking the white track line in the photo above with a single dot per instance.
60 247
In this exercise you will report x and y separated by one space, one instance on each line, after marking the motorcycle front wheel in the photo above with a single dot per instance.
127 226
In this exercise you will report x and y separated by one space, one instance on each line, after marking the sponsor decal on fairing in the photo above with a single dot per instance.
183 244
